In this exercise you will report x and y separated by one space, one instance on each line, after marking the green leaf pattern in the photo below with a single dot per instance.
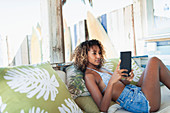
2 106
34 110
72 105
75 82
33 81
137 71
40 88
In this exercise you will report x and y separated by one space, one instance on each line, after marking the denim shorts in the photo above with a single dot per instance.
132 99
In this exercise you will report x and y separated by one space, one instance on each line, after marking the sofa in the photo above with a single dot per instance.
43 88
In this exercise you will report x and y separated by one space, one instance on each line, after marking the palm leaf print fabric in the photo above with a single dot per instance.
33 82
34 89
2 106
75 82
72 105
34 110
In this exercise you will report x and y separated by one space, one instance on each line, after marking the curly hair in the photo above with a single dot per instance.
80 56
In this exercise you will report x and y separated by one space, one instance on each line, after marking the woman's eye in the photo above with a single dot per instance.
100 53
94 53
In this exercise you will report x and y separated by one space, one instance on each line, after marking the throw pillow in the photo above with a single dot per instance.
87 104
137 72
34 88
111 64
75 82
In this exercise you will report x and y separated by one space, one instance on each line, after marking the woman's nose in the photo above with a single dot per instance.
98 56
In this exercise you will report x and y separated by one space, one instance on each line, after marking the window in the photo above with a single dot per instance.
158 17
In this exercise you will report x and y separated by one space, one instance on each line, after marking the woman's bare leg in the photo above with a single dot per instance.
154 72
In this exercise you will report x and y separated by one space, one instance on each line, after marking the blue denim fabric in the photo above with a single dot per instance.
132 99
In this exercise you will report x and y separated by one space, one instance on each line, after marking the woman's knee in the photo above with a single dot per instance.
155 108
154 60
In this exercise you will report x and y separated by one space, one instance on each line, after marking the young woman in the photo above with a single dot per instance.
105 86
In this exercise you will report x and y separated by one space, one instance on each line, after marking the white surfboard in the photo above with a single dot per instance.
35 48
67 42
96 31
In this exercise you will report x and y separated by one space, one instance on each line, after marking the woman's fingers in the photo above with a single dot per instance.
118 65
131 74
130 78
121 72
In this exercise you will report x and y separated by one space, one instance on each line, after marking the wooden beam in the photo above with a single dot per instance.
133 26
52 31
56 28
156 40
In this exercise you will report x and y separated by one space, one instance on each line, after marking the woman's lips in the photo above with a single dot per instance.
98 61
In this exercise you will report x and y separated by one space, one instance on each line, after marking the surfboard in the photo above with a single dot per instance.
67 42
38 29
96 31
35 48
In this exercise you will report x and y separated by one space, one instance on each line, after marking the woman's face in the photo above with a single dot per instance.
94 55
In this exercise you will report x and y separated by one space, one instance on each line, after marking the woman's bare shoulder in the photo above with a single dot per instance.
89 74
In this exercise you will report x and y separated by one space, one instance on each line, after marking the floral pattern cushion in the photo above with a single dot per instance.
75 82
34 89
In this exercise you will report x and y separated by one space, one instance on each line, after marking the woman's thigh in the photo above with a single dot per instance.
150 83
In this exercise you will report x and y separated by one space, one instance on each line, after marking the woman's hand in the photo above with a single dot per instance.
130 78
118 74
127 80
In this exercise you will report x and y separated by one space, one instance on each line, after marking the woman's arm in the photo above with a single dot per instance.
124 81
103 102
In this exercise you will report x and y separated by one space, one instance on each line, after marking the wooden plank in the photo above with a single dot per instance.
24 51
52 31
29 48
56 31
128 29
3 52
18 58
11 61
81 32
133 26
156 40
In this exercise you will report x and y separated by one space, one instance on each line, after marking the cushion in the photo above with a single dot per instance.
75 82
62 75
137 72
34 88
87 104
111 64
